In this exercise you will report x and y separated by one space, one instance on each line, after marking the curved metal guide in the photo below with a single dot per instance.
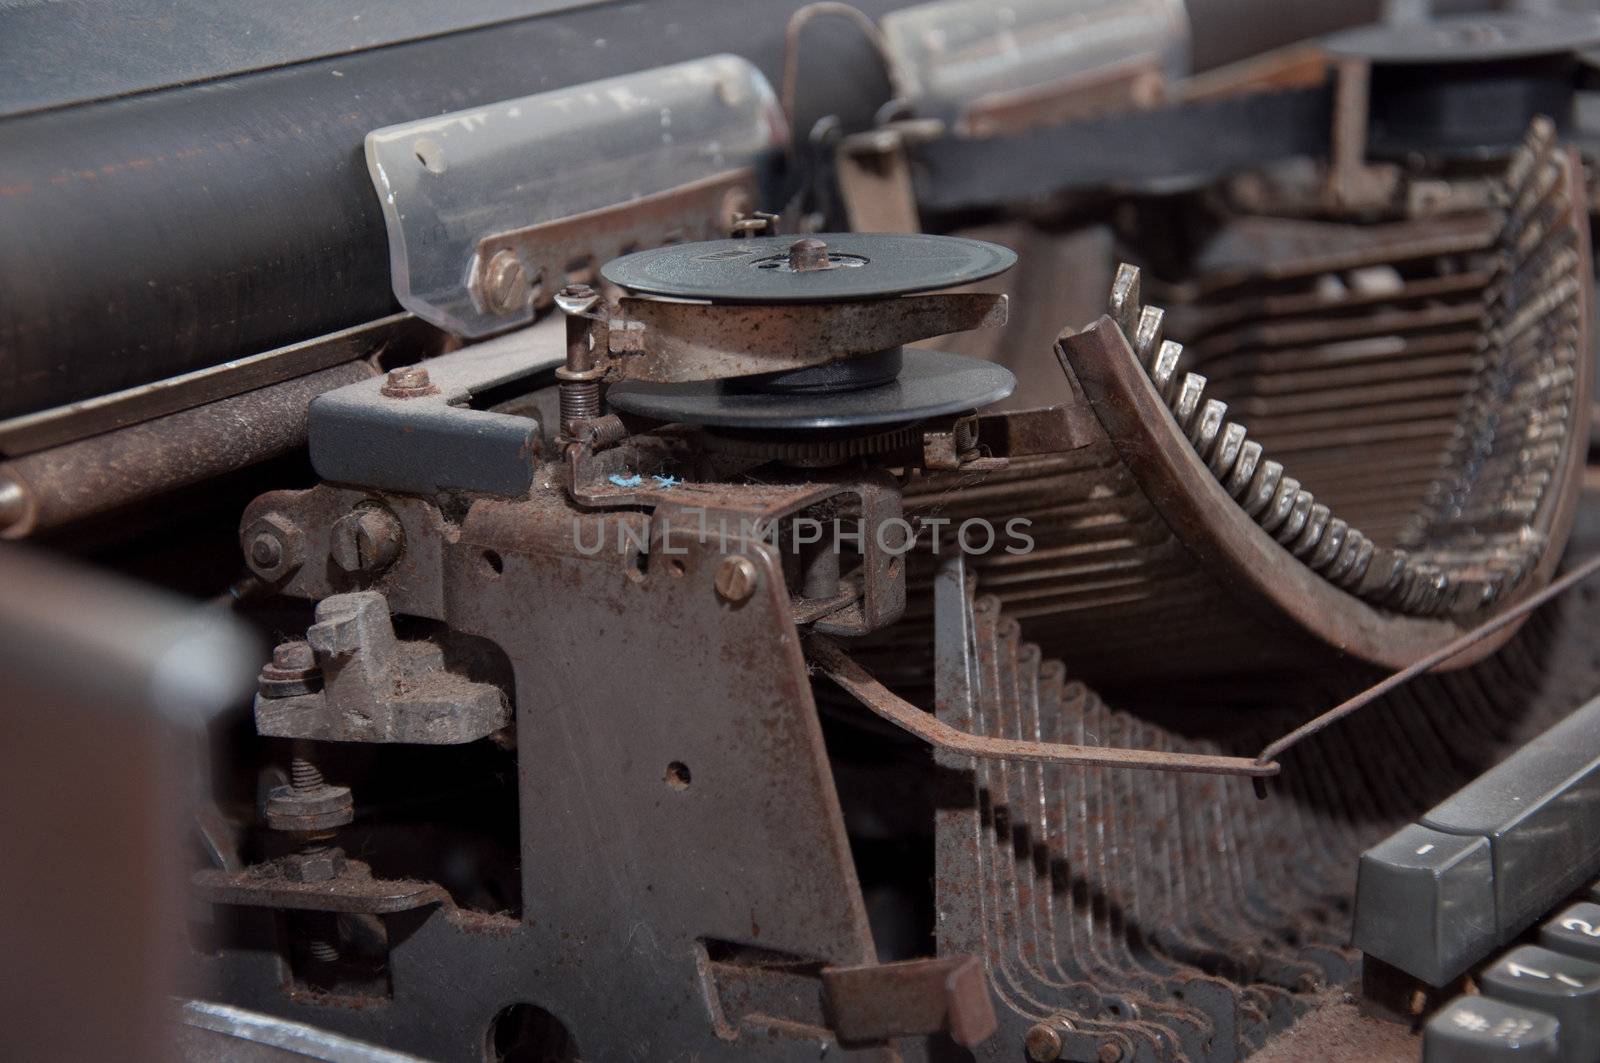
489 209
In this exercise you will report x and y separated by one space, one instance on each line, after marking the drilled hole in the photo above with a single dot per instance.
526 1033
430 154
678 775
675 566
638 566
493 563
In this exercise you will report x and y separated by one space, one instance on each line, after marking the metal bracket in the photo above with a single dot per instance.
427 439
491 210
379 689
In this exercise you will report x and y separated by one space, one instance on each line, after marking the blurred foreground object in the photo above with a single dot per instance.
102 677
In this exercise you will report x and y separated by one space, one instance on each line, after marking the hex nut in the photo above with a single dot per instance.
318 865
274 547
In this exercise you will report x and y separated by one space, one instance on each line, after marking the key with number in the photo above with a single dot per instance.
1425 903
1563 986
1576 932
1481 1030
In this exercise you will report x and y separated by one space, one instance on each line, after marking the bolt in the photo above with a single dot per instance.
408 382
808 254
1109 1052
737 577
320 931
265 552
304 776
293 656
505 283
272 545
1042 1042
309 809
292 671
577 299
365 540
580 377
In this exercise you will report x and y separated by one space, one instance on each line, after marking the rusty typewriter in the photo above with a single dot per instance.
570 531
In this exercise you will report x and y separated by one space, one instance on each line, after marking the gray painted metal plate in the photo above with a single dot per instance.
929 384
866 266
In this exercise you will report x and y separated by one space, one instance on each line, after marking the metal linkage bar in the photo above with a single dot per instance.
856 681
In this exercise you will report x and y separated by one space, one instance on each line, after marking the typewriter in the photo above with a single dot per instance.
561 530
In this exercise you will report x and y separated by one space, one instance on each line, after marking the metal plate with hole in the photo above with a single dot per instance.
930 383
865 266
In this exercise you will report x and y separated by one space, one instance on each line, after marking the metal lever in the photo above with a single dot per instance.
853 679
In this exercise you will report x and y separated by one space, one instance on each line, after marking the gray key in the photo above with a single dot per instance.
1425 903
1481 1030
1540 810
1576 932
1563 986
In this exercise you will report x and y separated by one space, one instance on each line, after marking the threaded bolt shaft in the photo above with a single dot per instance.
580 401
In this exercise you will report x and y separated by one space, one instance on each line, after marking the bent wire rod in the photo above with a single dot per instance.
1325 719
856 681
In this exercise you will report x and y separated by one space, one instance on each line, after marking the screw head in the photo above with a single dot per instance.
506 286
1042 1043
1109 1052
294 656
408 382
808 254
365 540
737 577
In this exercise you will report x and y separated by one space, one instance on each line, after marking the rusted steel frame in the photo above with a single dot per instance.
877 1001
856 681
1255 569
105 413
355 891
570 250
1508 619
685 341
104 472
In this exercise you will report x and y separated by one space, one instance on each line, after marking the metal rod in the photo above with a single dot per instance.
856 681
1276 748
